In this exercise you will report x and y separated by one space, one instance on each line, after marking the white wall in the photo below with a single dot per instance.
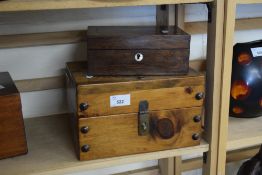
46 61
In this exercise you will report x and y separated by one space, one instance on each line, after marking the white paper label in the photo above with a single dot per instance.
1 87
120 100
257 52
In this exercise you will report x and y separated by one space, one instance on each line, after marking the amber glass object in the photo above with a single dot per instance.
246 82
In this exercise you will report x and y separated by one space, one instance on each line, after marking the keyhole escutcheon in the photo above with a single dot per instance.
139 57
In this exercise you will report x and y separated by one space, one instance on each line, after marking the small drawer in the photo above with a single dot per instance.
138 62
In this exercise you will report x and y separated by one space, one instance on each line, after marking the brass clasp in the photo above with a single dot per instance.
143 118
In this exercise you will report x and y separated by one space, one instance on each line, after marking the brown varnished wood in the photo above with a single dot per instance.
72 107
125 31
138 37
155 62
164 15
139 42
117 135
12 133
112 50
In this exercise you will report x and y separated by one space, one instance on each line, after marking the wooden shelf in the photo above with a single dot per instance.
244 133
248 1
51 151
25 5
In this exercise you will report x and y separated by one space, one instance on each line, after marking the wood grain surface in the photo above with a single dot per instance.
122 62
158 99
77 70
12 131
117 135
112 50
162 92
132 31
129 37
28 5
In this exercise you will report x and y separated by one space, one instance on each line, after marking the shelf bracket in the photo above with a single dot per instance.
205 157
209 8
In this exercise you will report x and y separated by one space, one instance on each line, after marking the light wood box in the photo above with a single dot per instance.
100 130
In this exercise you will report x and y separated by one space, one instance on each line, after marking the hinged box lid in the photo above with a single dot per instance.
110 95
81 78
136 37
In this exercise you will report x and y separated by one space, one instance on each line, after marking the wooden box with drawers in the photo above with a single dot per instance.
137 50
122 115
12 131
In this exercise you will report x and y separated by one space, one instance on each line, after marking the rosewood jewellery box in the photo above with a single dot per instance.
12 131
123 115
142 50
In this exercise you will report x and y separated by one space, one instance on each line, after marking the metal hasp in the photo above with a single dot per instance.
143 119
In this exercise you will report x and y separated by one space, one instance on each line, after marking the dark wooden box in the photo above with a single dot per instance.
137 51
12 131
102 127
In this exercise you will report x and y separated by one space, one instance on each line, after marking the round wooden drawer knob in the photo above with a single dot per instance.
196 136
84 129
85 148
83 106
165 128
200 96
